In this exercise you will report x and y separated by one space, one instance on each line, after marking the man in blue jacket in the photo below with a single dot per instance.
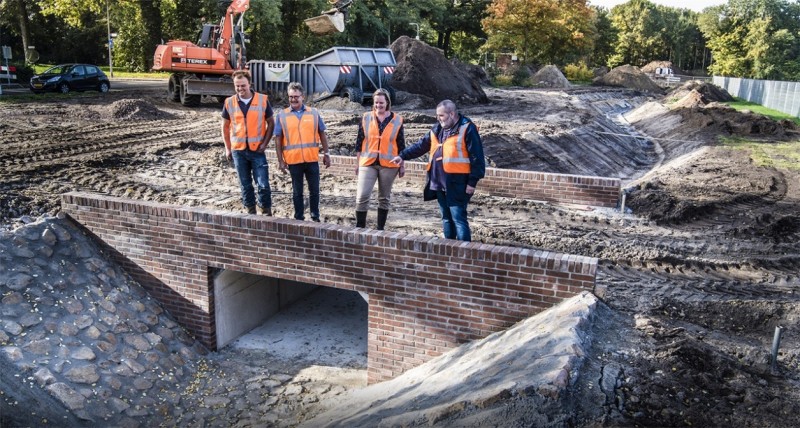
455 164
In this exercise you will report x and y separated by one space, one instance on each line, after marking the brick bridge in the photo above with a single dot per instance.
426 295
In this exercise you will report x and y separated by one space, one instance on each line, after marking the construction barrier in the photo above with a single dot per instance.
8 73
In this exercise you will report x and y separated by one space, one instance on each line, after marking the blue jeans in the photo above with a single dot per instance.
309 170
454 217
252 166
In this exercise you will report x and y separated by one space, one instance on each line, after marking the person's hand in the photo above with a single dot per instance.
228 154
282 166
397 160
357 168
402 171
263 146
470 189
326 160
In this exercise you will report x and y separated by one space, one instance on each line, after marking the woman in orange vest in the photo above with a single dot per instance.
380 138
455 164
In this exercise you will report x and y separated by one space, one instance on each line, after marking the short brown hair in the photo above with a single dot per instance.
241 73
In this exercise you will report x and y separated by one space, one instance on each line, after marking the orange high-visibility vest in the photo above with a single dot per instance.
455 158
300 136
247 131
376 145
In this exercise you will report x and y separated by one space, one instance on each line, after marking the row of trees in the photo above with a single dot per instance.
747 38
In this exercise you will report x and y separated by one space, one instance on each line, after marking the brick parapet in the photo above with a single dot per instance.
426 294
511 183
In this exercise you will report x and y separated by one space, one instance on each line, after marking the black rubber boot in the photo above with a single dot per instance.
382 214
361 219
251 210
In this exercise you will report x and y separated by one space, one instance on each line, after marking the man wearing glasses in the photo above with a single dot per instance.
299 131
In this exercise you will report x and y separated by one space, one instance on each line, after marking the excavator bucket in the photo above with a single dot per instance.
327 23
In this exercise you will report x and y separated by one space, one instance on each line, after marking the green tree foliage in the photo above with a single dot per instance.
639 40
748 38
541 31
605 37
648 32
754 38
453 19
681 37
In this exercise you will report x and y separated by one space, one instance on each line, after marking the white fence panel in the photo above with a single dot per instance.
777 95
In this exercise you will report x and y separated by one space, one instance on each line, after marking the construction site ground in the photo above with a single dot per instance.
693 278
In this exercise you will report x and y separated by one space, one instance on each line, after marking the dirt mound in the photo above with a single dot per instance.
628 76
476 72
339 103
550 76
422 69
715 180
133 109
600 71
722 119
692 99
406 100
709 91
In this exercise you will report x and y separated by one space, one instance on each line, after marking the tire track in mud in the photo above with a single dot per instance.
98 140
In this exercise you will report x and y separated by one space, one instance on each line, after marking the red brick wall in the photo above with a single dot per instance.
511 183
426 294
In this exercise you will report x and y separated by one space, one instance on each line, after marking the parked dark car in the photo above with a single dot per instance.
70 77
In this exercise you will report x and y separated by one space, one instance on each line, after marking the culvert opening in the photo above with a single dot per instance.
291 320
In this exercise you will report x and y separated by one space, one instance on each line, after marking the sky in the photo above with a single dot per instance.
695 5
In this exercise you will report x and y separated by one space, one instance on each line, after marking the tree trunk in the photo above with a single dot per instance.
23 27
151 19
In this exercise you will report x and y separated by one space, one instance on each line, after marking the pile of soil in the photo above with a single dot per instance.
692 99
136 109
422 69
695 117
339 103
550 76
476 72
693 187
628 76
600 71
709 91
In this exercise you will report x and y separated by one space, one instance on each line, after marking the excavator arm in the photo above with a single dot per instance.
231 43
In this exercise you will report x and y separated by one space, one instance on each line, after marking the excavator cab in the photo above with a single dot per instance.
331 21
209 35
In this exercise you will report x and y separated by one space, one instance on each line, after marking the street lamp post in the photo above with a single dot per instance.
416 25
110 42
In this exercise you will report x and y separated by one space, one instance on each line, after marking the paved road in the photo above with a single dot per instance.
117 85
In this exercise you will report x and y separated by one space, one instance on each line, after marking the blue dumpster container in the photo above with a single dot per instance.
348 72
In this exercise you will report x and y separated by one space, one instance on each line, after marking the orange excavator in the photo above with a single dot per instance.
204 68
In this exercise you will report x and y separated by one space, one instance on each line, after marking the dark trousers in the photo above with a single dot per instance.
309 171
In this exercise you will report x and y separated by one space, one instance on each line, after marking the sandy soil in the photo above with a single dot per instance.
696 279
